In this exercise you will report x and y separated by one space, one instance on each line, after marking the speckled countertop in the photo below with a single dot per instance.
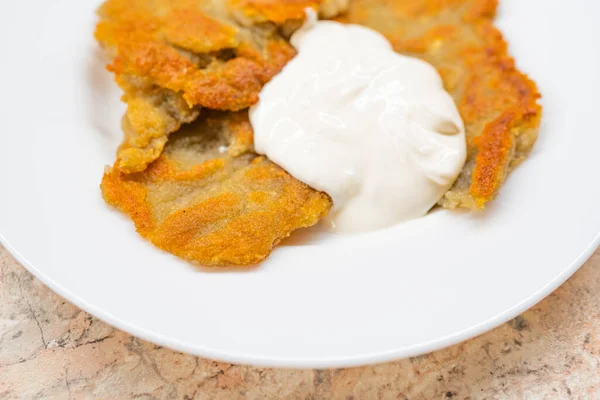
51 349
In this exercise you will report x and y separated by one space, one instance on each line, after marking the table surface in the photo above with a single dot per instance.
51 349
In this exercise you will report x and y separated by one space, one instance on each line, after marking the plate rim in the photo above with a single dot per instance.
338 362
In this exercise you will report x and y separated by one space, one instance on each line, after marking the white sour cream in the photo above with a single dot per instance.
372 128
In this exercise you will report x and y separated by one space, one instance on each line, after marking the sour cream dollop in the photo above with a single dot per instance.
370 127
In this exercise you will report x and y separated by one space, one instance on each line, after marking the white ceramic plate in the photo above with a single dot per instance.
318 301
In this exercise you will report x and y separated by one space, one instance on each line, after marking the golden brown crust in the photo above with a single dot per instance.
213 207
197 32
197 53
151 113
497 102
194 53
220 208
277 11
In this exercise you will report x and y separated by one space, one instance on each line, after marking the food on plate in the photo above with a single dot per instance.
172 58
197 66
497 102
372 128
210 200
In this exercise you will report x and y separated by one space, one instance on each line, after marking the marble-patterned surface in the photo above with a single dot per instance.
51 349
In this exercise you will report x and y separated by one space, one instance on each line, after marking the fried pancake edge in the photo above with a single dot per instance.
498 103
214 207
172 58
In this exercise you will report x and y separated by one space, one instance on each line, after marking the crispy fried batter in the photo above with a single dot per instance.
273 10
209 199
174 57
497 102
